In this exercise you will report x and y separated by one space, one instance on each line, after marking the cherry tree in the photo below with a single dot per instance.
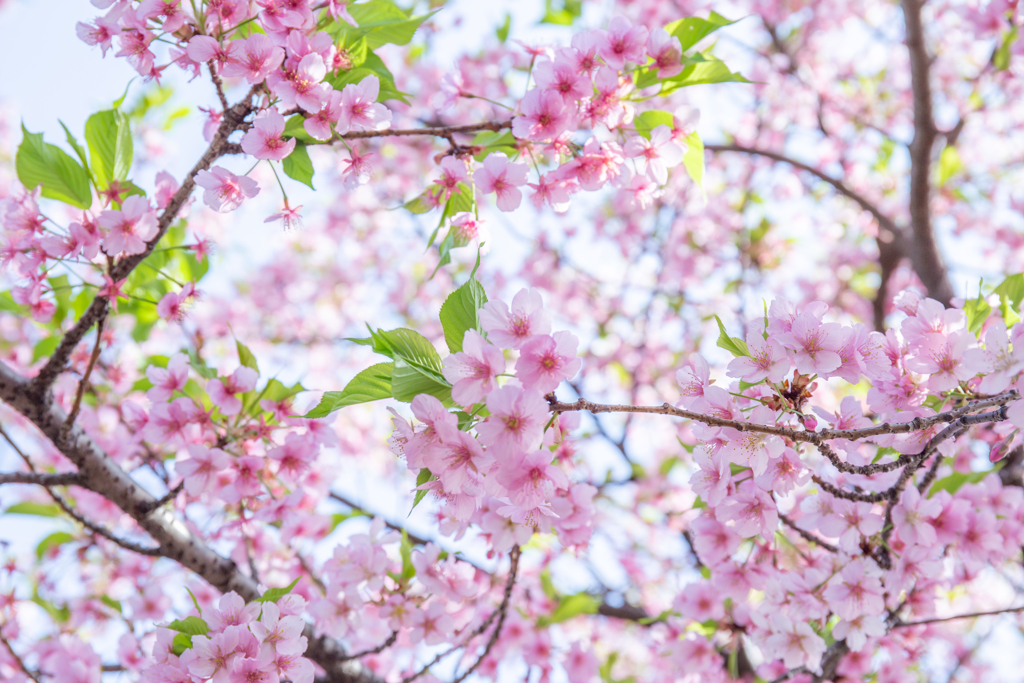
677 342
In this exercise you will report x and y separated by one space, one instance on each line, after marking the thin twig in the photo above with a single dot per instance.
808 536
938 620
73 415
502 613
380 648
21 663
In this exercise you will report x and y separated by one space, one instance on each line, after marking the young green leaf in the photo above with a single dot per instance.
192 626
692 30
110 146
275 594
461 312
39 163
54 540
298 166
647 121
733 345
30 508
372 384
246 357
693 160
422 478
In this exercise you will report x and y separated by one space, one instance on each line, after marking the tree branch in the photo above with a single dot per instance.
63 479
819 437
231 122
973 615
925 255
436 131
890 241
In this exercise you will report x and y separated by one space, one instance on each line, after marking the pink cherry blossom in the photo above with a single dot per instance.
223 392
511 329
303 86
667 53
503 178
753 511
911 517
473 370
546 360
166 382
545 116
623 43
255 59
359 109
656 155
264 140
562 77
516 422
225 191
767 360
129 229
201 468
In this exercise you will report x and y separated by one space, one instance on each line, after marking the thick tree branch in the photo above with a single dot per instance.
925 254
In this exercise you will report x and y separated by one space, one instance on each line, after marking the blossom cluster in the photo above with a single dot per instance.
258 642
498 472
746 479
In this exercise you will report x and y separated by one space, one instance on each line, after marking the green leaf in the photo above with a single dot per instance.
54 540
1001 57
489 141
58 614
693 160
692 30
502 31
181 642
110 146
75 145
61 176
573 605
388 89
294 128
647 121
298 166
562 13
700 69
420 204
955 481
340 517
460 313
372 384
112 603
382 23
246 357
194 601
408 568
30 508
422 478
1011 293
949 164
190 626
977 311
45 347
733 345
275 594
418 368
